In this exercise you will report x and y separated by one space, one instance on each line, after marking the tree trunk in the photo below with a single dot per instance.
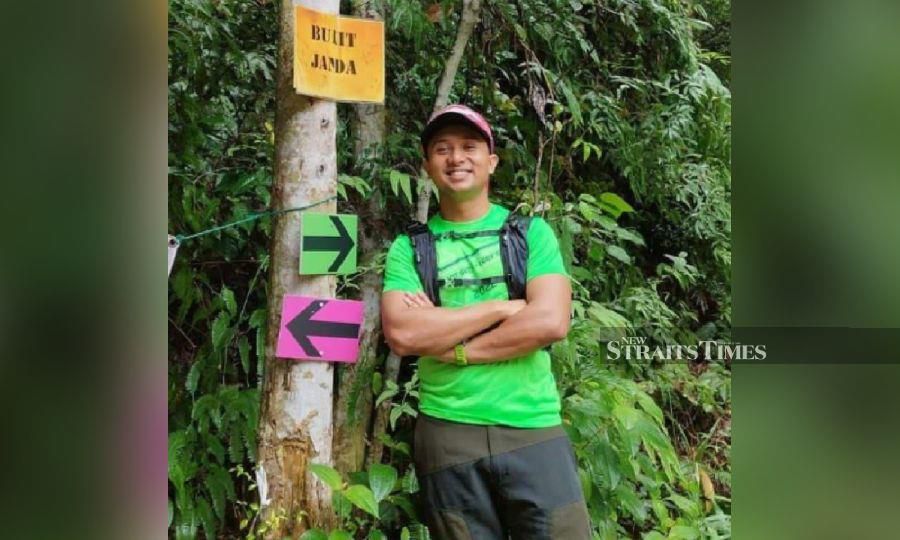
353 408
295 426
382 414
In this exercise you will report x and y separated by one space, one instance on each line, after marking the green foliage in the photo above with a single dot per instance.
331 477
612 121
221 68
381 502
199 465
382 478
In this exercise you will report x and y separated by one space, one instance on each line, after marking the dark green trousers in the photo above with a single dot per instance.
498 482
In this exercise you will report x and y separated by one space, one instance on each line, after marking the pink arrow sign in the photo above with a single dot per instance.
319 329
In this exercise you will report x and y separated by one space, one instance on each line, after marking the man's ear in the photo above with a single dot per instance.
495 160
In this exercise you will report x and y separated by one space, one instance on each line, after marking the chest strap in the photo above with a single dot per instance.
462 282
453 235
513 239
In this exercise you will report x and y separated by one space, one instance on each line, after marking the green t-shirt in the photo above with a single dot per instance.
519 392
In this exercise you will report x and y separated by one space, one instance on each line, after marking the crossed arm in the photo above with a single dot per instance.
412 325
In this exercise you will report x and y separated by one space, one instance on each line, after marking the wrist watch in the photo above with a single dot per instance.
460 353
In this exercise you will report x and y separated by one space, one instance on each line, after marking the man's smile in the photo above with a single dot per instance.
458 173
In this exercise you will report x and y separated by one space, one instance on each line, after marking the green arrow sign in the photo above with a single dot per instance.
327 243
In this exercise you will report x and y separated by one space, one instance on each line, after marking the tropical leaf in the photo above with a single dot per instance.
193 377
614 204
618 253
228 299
362 498
206 518
327 474
313 534
219 331
382 479
244 352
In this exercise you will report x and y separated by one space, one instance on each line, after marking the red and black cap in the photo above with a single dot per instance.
457 114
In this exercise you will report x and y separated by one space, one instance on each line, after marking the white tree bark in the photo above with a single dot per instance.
296 412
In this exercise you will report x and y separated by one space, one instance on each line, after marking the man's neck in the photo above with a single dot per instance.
464 210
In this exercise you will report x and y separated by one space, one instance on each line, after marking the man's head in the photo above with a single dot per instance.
459 152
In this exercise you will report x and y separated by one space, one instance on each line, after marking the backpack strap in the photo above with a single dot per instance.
513 237
425 259
453 235
514 254
462 282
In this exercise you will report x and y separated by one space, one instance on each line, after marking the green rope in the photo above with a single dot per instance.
181 238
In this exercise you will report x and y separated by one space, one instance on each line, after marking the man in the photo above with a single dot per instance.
491 456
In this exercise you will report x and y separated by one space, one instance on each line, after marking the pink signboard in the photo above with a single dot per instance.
319 329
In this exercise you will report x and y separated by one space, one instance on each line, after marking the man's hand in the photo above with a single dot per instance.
417 300
414 326
421 300
515 306
544 321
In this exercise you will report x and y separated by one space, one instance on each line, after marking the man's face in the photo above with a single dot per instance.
459 162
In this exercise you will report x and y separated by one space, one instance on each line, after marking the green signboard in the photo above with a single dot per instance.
327 243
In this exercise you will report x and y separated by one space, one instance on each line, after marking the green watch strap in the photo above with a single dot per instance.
460 352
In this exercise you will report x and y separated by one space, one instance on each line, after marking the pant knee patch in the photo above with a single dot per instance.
448 525
570 522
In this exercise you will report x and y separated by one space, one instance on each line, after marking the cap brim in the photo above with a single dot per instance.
449 119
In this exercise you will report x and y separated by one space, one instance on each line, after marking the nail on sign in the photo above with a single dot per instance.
319 329
327 243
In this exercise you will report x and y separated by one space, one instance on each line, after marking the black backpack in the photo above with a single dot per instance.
513 254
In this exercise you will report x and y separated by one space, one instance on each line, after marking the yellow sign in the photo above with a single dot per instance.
339 58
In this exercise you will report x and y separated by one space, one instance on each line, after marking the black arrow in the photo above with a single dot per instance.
342 244
302 327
